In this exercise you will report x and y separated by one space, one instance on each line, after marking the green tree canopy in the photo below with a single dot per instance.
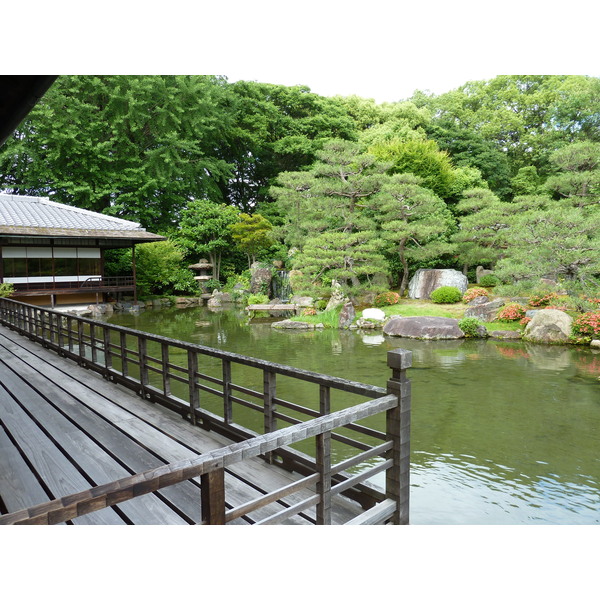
333 228
137 147
252 233
160 269
422 158
205 228
414 221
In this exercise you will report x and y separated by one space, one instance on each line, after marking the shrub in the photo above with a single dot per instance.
489 281
587 325
257 299
321 304
525 320
511 312
6 289
469 326
210 285
474 293
309 311
386 299
542 299
234 279
446 295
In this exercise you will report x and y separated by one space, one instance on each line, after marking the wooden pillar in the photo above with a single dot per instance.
269 421
397 484
323 459
227 403
212 491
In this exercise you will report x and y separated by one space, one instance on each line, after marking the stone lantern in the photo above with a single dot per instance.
204 270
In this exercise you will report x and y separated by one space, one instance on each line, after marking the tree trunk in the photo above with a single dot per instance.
404 280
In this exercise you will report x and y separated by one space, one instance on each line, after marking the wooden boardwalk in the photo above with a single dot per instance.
65 429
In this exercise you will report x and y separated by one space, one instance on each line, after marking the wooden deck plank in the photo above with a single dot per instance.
135 457
19 487
146 435
152 430
56 471
97 465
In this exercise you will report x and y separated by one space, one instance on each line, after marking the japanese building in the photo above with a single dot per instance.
53 253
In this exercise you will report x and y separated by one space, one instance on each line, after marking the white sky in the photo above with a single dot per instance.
378 49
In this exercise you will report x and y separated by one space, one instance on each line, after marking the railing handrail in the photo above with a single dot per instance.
152 480
95 350
340 383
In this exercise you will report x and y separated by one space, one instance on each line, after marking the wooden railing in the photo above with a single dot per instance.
95 283
154 366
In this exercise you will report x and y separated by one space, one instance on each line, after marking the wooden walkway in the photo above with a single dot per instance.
65 429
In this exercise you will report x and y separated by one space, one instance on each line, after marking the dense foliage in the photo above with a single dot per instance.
502 173
446 294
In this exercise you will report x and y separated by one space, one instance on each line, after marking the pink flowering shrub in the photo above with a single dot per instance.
587 324
511 312
386 299
474 293
592 300
543 299
525 320
309 311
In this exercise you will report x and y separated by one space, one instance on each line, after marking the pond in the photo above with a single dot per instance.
502 432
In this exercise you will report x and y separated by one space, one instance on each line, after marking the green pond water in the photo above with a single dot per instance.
502 433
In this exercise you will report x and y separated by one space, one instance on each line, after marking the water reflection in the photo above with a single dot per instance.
502 432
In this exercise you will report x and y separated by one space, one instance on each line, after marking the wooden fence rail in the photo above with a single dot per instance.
160 368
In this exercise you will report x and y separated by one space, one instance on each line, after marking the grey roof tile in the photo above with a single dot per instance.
28 211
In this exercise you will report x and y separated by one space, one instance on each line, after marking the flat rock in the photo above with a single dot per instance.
426 328
485 312
288 324
505 335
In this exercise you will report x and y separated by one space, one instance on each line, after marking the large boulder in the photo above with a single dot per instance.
338 298
481 272
485 312
426 328
302 300
425 281
373 313
347 316
549 326
260 279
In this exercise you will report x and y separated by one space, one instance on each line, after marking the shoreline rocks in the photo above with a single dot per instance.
425 328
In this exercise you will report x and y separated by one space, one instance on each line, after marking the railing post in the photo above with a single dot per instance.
107 350
323 461
194 394
93 343
165 369
397 483
123 355
269 391
80 341
227 404
143 365
212 495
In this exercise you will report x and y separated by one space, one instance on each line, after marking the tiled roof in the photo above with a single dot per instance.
28 211
30 216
